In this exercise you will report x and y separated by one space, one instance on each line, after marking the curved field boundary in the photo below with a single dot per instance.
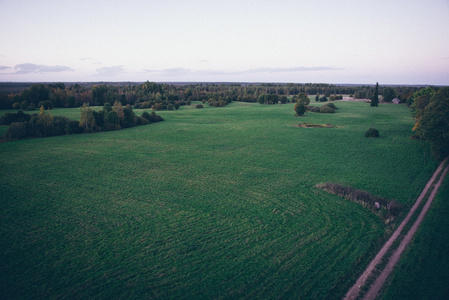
354 291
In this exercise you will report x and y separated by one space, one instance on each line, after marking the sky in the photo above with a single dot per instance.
316 41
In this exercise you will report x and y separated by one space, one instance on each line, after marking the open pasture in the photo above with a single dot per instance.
211 203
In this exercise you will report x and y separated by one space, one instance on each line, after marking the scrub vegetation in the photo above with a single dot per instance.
218 202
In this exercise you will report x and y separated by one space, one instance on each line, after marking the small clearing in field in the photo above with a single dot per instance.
310 125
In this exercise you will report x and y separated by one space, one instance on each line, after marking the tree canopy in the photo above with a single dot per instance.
388 94
301 104
432 119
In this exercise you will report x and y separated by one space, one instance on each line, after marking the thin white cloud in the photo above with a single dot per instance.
185 72
33 68
110 71
91 60
294 69
171 72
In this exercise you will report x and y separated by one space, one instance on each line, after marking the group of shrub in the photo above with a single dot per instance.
301 104
114 117
217 103
335 97
391 207
164 105
43 124
19 116
372 132
326 108
319 98
275 99
25 105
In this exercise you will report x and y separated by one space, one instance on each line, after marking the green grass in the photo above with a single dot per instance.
3 129
211 203
422 271
71 113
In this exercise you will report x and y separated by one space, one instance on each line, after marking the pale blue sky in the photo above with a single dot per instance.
345 41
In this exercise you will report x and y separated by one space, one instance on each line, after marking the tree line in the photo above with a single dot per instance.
171 96
429 105
430 108
43 124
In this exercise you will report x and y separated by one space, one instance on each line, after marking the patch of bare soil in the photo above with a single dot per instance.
352 99
310 125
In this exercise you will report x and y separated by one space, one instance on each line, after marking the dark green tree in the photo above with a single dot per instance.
433 125
99 119
112 121
87 119
301 104
129 118
419 100
36 93
300 108
375 98
302 97
323 99
388 94
99 94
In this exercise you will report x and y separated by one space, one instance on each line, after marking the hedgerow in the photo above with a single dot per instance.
326 108
44 124
375 203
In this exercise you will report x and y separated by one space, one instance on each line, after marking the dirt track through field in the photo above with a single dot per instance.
354 292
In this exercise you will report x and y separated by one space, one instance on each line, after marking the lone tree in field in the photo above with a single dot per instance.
375 98
301 104
300 108
302 97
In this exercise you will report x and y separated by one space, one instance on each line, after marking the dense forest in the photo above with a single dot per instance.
170 96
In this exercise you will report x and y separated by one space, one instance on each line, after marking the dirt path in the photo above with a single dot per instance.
354 292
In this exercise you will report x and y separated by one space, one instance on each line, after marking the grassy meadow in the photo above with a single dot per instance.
210 203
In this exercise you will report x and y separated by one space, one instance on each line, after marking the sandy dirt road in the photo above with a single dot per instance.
354 291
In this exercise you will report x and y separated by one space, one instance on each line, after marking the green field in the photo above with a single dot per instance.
211 203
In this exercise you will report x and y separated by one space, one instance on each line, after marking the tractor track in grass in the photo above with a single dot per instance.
355 291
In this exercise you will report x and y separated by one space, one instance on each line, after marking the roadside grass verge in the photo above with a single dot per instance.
422 271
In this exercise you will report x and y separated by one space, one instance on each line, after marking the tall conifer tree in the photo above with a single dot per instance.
375 98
